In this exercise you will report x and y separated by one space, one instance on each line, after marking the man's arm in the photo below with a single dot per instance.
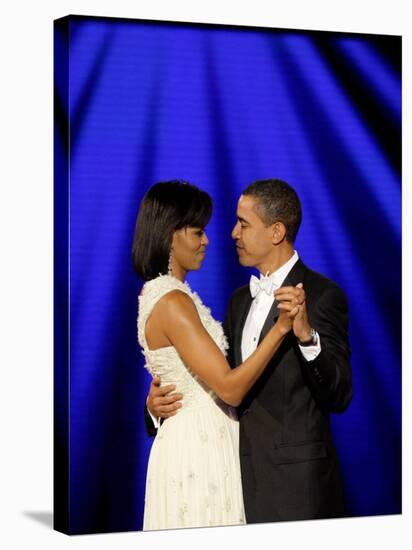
329 374
328 369
149 420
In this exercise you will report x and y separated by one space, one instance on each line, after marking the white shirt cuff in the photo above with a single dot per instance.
156 421
311 352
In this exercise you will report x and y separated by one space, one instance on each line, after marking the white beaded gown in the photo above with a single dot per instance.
193 475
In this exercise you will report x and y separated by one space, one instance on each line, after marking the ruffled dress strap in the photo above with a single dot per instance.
151 293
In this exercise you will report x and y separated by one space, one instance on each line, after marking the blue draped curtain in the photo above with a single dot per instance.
138 102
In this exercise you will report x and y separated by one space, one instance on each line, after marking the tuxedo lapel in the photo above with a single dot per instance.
270 320
295 276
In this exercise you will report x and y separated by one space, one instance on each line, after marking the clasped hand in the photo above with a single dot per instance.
293 314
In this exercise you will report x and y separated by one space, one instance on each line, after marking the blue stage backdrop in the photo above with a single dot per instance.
138 102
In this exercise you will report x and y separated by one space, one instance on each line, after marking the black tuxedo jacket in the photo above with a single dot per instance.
288 461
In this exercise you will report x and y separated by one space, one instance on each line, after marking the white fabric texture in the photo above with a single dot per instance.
193 475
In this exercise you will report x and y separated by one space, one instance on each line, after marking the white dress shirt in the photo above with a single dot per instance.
259 311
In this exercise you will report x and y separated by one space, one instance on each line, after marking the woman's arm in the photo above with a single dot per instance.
181 324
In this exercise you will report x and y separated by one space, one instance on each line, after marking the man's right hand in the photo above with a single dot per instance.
161 402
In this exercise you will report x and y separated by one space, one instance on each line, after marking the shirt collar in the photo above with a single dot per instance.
281 273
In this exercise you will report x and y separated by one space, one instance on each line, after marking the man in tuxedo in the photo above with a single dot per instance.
288 460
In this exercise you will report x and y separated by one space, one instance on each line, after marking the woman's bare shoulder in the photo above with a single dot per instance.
176 308
177 302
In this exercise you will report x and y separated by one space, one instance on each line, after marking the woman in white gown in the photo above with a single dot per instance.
193 476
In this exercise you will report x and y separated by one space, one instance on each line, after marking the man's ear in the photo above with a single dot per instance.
278 232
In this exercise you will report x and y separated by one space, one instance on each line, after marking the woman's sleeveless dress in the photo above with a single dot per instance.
193 475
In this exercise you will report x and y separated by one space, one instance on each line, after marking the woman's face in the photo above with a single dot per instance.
188 249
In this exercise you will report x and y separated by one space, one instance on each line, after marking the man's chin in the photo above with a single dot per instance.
245 262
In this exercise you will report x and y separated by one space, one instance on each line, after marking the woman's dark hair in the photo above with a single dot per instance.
165 208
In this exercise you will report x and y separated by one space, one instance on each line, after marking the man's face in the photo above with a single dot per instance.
254 239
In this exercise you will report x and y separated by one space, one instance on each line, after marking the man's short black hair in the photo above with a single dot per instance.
277 201
165 208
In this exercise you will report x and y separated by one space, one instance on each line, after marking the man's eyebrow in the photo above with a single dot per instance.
242 219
